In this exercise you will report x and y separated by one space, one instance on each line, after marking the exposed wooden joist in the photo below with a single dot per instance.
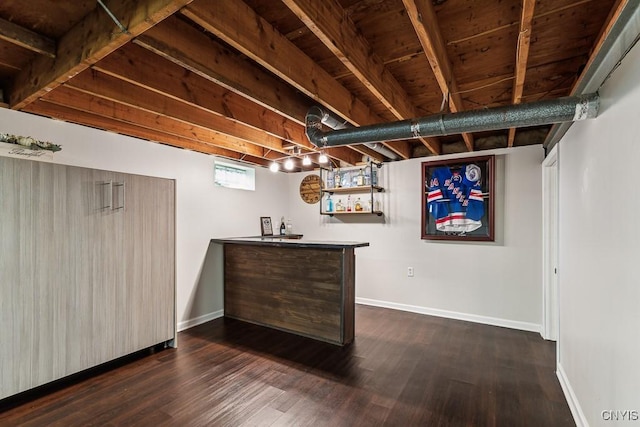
72 98
184 45
86 43
232 114
146 69
522 56
27 39
60 112
331 24
101 85
425 23
107 87
238 25
498 28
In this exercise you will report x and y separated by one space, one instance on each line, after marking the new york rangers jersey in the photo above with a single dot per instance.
454 199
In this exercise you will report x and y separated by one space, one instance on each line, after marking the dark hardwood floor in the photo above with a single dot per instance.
403 369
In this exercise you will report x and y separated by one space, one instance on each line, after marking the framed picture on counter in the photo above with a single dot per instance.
265 226
458 199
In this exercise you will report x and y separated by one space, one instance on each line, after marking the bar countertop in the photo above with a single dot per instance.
290 243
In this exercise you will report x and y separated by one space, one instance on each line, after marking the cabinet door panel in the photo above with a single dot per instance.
81 217
108 274
150 272
50 271
16 285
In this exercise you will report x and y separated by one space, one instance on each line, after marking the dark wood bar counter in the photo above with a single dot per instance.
299 286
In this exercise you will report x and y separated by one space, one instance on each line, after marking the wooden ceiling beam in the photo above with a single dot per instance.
498 28
425 23
146 69
139 66
332 25
238 25
181 43
99 84
27 39
60 112
69 97
94 37
522 57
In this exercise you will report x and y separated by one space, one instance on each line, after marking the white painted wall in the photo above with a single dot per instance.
203 210
599 279
494 282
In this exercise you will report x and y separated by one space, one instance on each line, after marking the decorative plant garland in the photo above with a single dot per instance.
29 142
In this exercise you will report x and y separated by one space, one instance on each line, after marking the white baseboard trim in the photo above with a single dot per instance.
572 400
186 324
512 324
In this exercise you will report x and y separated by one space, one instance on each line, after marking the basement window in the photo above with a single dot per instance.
236 176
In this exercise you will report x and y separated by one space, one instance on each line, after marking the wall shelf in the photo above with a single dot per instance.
369 178
379 213
357 189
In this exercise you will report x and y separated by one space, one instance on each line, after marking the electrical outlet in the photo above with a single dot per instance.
409 271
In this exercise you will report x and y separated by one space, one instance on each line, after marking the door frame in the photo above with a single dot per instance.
550 219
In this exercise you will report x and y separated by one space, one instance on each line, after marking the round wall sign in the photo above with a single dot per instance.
310 189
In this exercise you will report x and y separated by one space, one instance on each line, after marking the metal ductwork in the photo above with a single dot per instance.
318 115
567 109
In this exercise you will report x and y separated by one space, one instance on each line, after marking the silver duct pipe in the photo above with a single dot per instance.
558 110
380 148
318 115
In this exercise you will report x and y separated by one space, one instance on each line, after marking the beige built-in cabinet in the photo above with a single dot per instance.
87 269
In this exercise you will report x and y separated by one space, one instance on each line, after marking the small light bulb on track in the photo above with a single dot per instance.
288 164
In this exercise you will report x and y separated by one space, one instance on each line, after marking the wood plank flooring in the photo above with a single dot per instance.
403 369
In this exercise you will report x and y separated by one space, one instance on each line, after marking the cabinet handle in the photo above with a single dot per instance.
107 195
120 197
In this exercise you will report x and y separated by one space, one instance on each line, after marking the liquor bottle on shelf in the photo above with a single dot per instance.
360 179
283 228
329 204
367 175
358 205
349 203
339 206
330 179
336 178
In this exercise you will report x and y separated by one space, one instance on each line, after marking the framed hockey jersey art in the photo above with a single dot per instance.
457 201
